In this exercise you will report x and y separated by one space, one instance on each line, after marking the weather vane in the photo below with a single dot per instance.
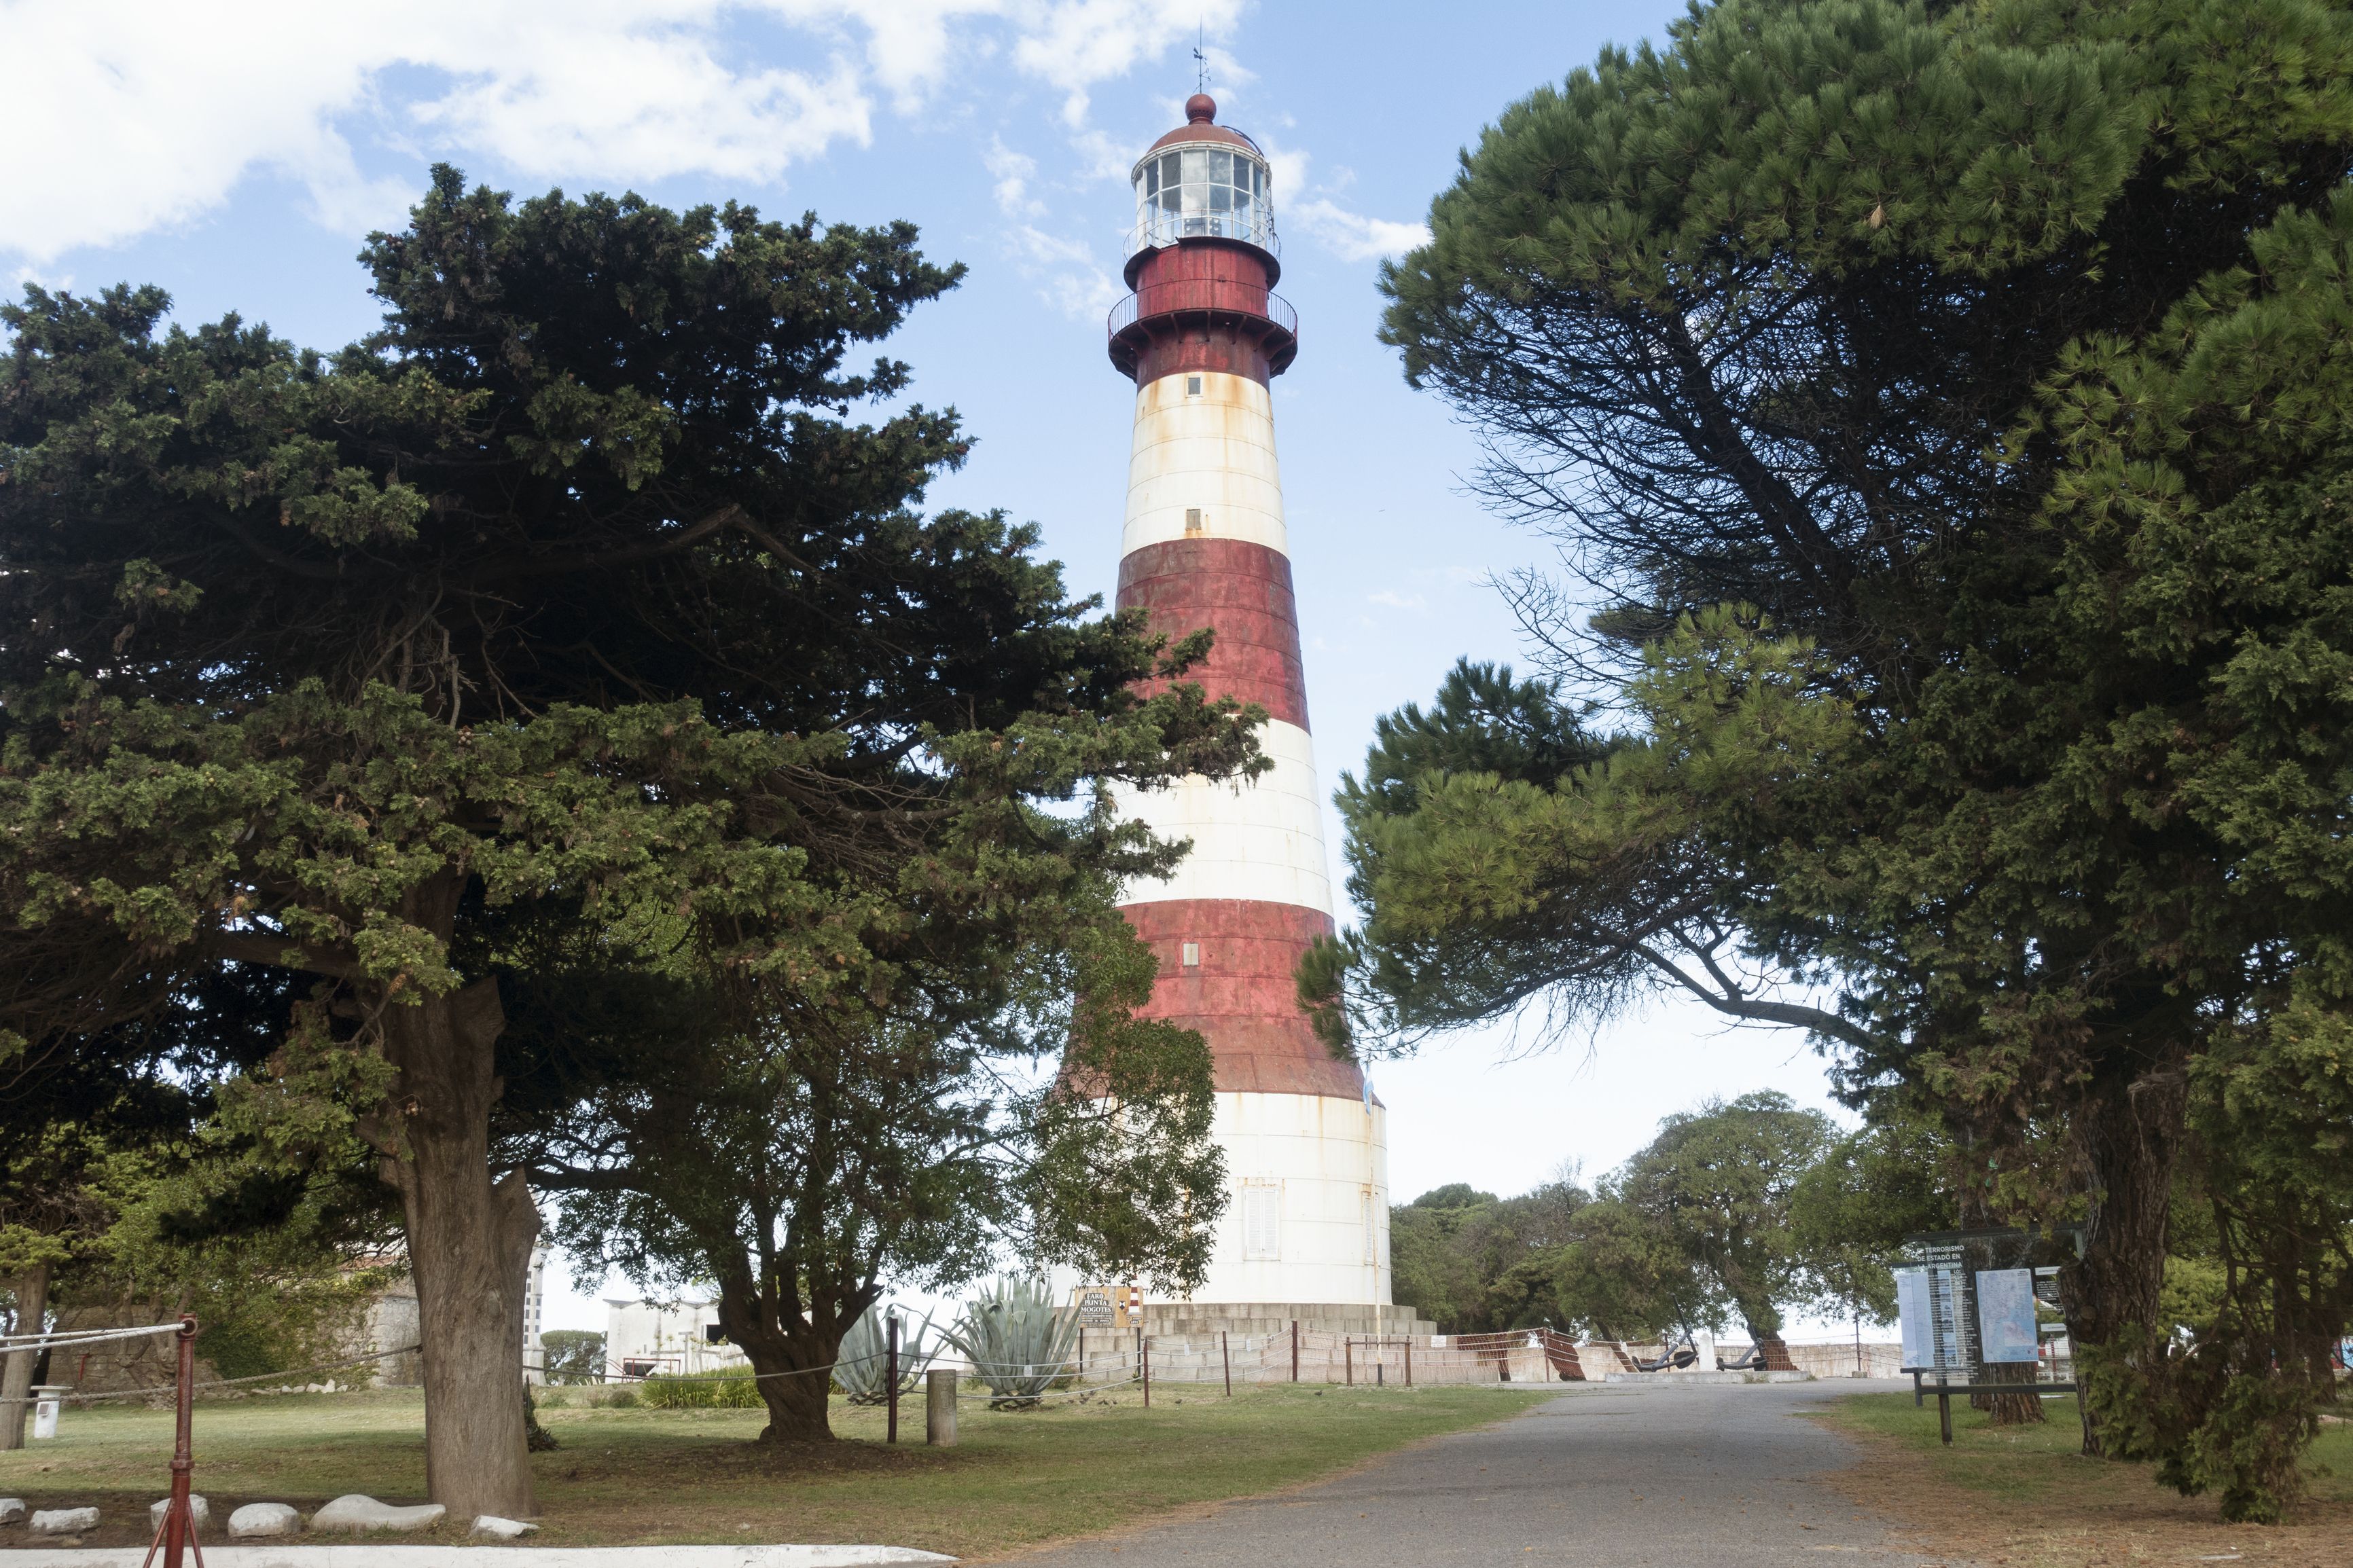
1201 59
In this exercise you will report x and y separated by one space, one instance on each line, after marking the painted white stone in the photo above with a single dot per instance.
379 1554
198 1506
355 1512
1261 839
12 1509
64 1521
491 1527
259 1520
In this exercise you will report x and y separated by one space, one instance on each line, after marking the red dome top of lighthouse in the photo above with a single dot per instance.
1200 126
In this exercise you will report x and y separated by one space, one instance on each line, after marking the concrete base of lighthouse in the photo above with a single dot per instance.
1306 1200
1305 1237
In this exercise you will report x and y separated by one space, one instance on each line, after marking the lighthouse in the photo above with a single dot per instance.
1305 1230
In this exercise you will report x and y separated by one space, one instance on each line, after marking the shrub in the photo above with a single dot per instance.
573 1355
861 1366
732 1388
1017 1340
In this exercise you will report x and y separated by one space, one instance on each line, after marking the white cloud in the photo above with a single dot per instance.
1073 280
1352 236
1388 600
638 102
147 113
1309 209
1013 171
1075 45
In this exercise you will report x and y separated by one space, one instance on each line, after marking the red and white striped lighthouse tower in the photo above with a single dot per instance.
1306 1230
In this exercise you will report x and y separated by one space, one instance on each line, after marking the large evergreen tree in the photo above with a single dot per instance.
572 598
1991 356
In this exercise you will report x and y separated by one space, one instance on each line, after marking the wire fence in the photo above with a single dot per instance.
1298 1356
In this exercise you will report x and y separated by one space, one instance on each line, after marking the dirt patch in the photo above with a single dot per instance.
2093 1515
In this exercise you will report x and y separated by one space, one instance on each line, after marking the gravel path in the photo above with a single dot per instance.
1694 1476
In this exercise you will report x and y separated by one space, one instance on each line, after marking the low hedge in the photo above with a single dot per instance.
733 1389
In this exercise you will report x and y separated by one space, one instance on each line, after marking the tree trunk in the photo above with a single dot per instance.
2014 1409
2129 1136
470 1243
17 1384
787 1361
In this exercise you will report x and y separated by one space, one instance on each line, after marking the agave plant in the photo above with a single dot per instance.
1016 1340
862 1365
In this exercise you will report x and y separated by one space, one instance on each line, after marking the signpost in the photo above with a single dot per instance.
1965 1302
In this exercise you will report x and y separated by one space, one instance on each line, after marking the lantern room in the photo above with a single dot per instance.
1203 181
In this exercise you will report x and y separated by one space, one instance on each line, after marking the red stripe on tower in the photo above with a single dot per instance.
1241 591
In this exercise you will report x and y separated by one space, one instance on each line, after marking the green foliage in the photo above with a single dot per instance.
1474 1263
1504 855
573 1355
1849 1212
862 1368
1745 1205
1717 1184
1452 1195
1019 1343
1995 354
562 690
730 1388
1625 1276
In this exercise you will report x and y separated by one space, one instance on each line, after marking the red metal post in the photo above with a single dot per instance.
891 1367
177 1533
1226 1354
1295 1350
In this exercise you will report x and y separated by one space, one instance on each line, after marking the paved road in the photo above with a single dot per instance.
1616 1473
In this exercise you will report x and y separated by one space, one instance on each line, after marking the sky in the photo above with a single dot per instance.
237 152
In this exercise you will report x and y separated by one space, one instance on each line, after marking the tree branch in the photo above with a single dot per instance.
1737 1005
256 947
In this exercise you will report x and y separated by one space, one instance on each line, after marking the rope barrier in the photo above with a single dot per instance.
1083 1392
1062 1369
77 1337
1026 1367
87 1399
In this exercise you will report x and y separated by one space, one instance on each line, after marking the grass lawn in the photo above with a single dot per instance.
2025 1494
638 1476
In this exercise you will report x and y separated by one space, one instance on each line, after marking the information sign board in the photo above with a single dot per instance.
2005 1330
1911 1314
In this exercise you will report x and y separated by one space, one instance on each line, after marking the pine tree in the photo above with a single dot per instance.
1943 405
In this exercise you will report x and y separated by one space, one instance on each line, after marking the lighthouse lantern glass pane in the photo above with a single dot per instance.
1203 191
